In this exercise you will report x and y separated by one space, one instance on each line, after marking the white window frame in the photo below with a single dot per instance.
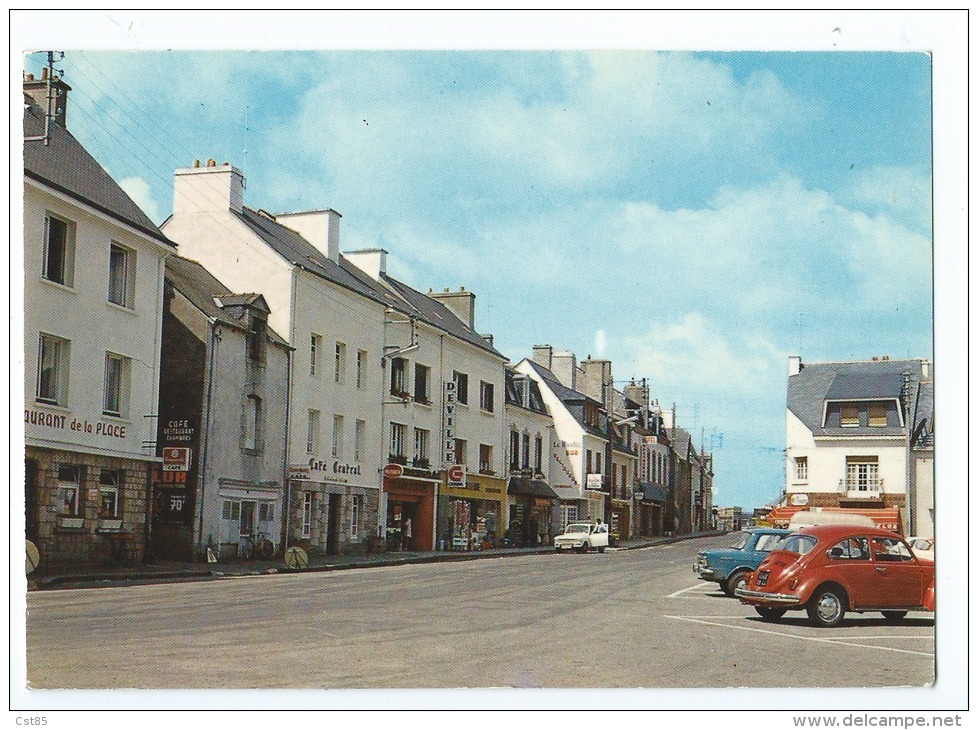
422 439
337 448
59 349
339 374
122 275
359 435
307 512
115 386
398 431
361 369
487 396
65 275
801 468
312 431
315 352
568 515
356 515
110 483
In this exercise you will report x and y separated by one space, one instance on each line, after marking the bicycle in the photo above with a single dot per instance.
258 546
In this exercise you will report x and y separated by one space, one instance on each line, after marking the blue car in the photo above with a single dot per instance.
730 566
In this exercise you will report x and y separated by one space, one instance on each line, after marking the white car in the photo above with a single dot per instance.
583 536
922 547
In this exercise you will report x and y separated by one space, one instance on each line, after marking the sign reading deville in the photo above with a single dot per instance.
448 417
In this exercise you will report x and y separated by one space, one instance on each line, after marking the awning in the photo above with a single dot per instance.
653 492
886 518
530 488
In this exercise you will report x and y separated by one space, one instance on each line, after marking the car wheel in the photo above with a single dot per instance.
770 614
584 548
827 607
894 615
601 549
737 579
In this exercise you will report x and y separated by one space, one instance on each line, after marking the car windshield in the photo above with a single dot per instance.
578 528
741 542
800 544
766 543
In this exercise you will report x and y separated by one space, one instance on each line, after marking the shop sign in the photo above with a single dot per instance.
456 476
594 481
799 500
392 471
448 417
176 458
299 472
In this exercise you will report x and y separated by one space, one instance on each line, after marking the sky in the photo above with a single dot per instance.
694 216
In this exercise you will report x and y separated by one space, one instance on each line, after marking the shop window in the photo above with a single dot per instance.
58 264
568 514
356 515
69 490
122 275
110 483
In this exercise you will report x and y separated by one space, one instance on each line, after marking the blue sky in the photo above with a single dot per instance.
696 217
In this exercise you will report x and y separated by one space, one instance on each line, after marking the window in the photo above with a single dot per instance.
399 377
252 419
538 455
514 450
312 432
109 483
862 474
340 372
421 438
801 468
849 416
485 396
257 335
767 543
852 548
568 514
307 502
337 436
266 511
891 549
315 349
361 368
52 370
122 275
525 462
877 415
116 386
356 512
69 490
597 463
588 461
460 445
461 387
359 434
397 439
485 459
422 380
59 251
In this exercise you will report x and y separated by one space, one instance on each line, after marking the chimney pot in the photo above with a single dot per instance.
44 74
211 163
30 77
196 163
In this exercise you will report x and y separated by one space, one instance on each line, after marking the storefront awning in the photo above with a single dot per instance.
530 488
886 518
653 492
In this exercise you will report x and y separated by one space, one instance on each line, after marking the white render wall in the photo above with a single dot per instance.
827 460
523 421
83 315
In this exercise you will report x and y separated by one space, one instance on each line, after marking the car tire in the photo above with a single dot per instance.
734 581
584 548
770 614
601 549
894 615
827 607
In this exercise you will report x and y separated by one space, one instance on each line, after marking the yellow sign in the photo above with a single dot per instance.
478 487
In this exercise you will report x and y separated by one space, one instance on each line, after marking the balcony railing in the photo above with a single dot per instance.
868 488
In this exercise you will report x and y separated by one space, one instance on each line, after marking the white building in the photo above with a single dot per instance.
849 428
224 390
332 315
580 445
93 290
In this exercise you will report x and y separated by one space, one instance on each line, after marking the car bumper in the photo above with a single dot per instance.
706 573
780 599
568 546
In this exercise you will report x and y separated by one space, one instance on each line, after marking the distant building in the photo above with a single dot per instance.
729 519
859 435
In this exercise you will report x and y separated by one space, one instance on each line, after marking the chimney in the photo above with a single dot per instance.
925 369
794 365
461 303
597 380
38 91
564 368
543 355
371 261
211 189
320 227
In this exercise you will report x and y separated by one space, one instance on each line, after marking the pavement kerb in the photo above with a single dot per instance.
377 561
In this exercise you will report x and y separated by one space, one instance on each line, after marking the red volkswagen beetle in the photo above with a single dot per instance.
832 569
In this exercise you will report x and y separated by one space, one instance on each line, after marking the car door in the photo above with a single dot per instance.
849 563
898 574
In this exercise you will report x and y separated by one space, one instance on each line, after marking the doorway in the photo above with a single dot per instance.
32 500
333 525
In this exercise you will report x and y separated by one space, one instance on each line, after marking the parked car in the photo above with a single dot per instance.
832 569
923 547
583 536
730 566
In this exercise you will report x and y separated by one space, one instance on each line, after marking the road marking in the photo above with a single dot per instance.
691 588
838 642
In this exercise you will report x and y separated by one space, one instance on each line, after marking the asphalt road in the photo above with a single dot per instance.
637 618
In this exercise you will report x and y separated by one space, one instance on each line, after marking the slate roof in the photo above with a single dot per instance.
818 382
200 287
66 166
295 249
572 399
681 441
515 398
923 433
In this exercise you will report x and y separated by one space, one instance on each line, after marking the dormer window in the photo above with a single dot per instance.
849 416
257 337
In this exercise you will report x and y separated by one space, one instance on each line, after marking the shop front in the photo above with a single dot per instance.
531 512
651 509
595 505
619 520
470 512
410 511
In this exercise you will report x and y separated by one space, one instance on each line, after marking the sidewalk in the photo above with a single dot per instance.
169 571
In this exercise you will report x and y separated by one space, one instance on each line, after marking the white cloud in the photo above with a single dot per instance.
138 189
600 343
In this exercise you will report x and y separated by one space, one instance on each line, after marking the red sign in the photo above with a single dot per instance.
393 470
456 473
176 458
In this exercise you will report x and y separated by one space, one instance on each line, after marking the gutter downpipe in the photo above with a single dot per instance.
287 496
215 338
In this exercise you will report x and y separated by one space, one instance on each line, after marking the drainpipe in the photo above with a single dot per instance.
202 477
286 482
